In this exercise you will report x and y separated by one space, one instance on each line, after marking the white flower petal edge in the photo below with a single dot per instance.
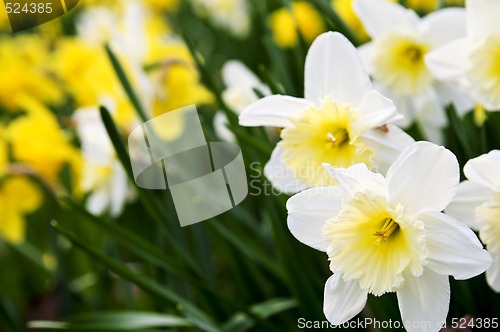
424 302
308 211
423 187
485 170
375 111
453 247
273 111
343 299
281 177
333 68
450 61
444 25
381 17
493 274
388 143
469 196
357 178
482 17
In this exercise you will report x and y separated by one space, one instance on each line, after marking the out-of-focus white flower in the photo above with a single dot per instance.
231 15
240 83
387 234
98 25
474 61
341 120
103 175
395 59
477 203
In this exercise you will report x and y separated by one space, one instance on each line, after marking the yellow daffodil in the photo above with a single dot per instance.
477 203
341 120
395 59
473 62
18 197
176 80
23 72
344 10
38 141
84 70
388 235
303 17
4 157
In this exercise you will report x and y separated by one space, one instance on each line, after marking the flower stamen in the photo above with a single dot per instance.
390 226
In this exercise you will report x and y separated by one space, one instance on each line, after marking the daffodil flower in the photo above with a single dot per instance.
474 61
395 59
388 234
240 83
103 175
341 120
477 203
18 197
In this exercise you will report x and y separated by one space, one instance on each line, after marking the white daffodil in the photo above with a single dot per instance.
387 234
341 121
103 175
474 61
477 203
231 15
240 83
395 59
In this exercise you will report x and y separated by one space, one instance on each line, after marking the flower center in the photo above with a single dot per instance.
390 226
373 244
484 73
323 135
399 64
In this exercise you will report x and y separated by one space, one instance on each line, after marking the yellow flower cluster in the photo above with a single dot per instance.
302 17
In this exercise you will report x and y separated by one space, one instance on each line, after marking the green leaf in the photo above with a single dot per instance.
127 86
240 321
196 316
114 321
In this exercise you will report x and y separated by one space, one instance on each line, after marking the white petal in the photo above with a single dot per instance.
274 111
358 178
469 196
423 178
375 110
405 106
450 93
485 169
334 69
236 74
444 26
387 146
98 201
424 302
450 61
482 17
493 274
380 17
281 177
343 299
454 249
309 210
221 129
119 190
366 53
